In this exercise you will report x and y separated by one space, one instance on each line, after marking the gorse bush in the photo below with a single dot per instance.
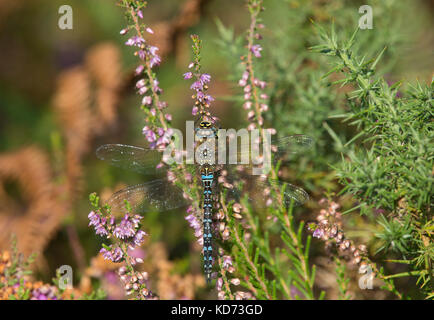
390 169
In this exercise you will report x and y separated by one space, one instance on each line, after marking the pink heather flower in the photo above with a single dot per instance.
205 78
227 261
198 233
219 284
168 116
98 222
159 166
197 85
188 177
191 65
124 31
139 69
150 135
155 61
140 14
125 229
163 141
153 50
262 84
156 88
115 254
135 41
194 111
141 83
149 30
247 105
170 176
256 50
208 98
147 100
169 132
136 253
139 238
318 233
142 54
162 105
143 90
242 82
190 217
194 223
188 75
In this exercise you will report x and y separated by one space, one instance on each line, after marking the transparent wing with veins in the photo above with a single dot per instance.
138 159
160 195
281 149
262 193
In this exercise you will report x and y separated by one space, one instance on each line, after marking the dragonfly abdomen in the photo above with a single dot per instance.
207 180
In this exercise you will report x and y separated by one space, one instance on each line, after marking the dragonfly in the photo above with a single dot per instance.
163 195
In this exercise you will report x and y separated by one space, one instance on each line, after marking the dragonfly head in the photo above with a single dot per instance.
206 130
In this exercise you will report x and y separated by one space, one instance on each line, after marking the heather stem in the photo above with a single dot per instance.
149 73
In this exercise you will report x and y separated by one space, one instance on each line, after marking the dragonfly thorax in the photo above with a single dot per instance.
205 151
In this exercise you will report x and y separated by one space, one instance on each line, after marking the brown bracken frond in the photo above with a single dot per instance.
37 215
169 35
7 7
72 106
170 285
103 63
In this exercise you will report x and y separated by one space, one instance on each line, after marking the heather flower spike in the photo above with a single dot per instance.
126 236
147 85
201 81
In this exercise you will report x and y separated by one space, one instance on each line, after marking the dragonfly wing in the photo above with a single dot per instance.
281 149
138 159
158 195
290 192
295 144
262 193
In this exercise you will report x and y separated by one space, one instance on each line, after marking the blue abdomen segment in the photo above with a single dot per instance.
207 180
